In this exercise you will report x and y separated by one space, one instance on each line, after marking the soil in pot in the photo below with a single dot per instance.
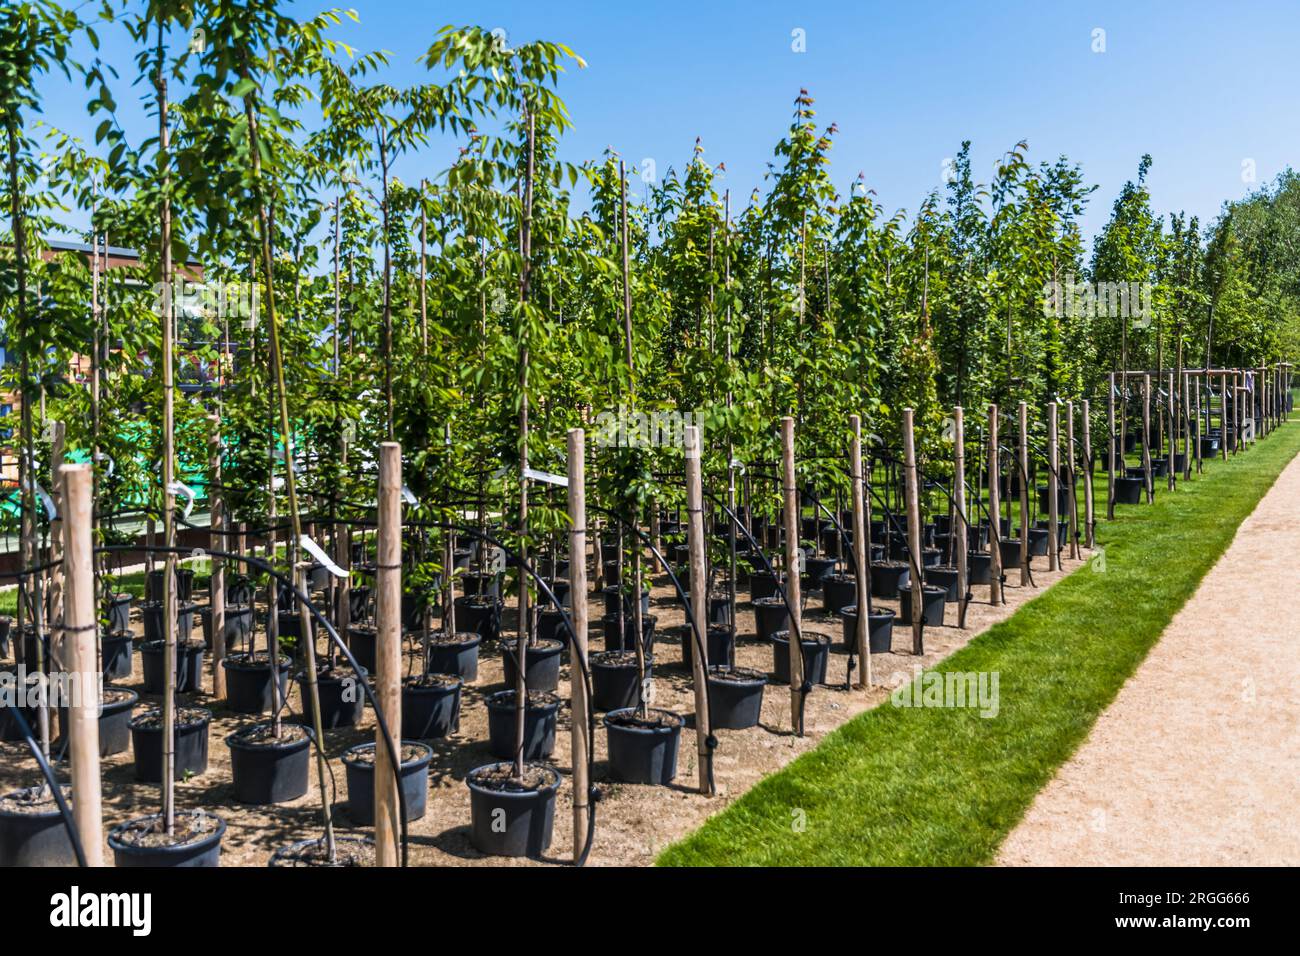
770 615
880 629
721 645
116 650
509 815
144 842
944 577
191 743
887 577
614 682
359 762
342 696
932 605
348 851
114 720
248 681
643 748
453 654
431 705
32 831
735 697
816 655
268 769
539 724
541 664
189 666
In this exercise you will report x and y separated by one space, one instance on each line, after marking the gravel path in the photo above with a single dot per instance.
1197 762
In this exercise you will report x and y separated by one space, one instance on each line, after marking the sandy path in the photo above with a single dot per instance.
1197 762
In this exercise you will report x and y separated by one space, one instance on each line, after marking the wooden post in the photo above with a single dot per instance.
995 530
1223 417
55 591
1196 386
1088 515
1184 406
1146 437
388 653
913 532
699 604
861 531
578 614
793 567
217 583
83 663
1073 477
1170 403
961 538
1024 494
1110 451
1053 484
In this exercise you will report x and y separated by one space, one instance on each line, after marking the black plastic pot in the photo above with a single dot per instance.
511 822
1038 542
266 770
614 683
35 839
431 706
116 650
945 578
979 567
838 592
539 724
770 615
152 615
239 590
735 697
1128 491
643 751
616 600
888 577
189 666
30 649
815 570
550 625
482 615
541 664
932 605
342 696
361 642
6 625
721 642
1010 551
114 721
1180 462
205 851
616 640
248 682
930 557
816 650
459 657
762 584
880 629
1159 467
184 584
560 588
191 744
1209 446
1062 498
414 775
238 624
118 611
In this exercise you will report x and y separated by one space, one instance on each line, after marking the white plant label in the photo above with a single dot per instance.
186 492
317 552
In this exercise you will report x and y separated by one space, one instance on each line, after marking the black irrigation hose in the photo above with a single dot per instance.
56 790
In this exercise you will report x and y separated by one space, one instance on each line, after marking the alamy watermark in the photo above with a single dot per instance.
29 690
947 689
235 300
626 428
1095 300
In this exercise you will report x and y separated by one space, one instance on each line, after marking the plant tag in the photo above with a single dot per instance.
186 492
547 477
46 500
317 552
409 496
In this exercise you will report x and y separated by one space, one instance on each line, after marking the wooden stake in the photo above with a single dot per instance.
388 653
861 530
1089 518
913 532
1024 494
995 530
1146 437
961 539
793 567
578 614
1072 499
1110 452
699 604
83 662
1053 483
217 585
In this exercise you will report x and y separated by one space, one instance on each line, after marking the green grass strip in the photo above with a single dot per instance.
943 786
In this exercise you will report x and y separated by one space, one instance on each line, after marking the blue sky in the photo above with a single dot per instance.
1207 88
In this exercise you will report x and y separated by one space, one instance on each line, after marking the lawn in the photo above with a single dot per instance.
943 786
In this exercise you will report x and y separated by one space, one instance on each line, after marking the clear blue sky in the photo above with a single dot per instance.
1204 87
